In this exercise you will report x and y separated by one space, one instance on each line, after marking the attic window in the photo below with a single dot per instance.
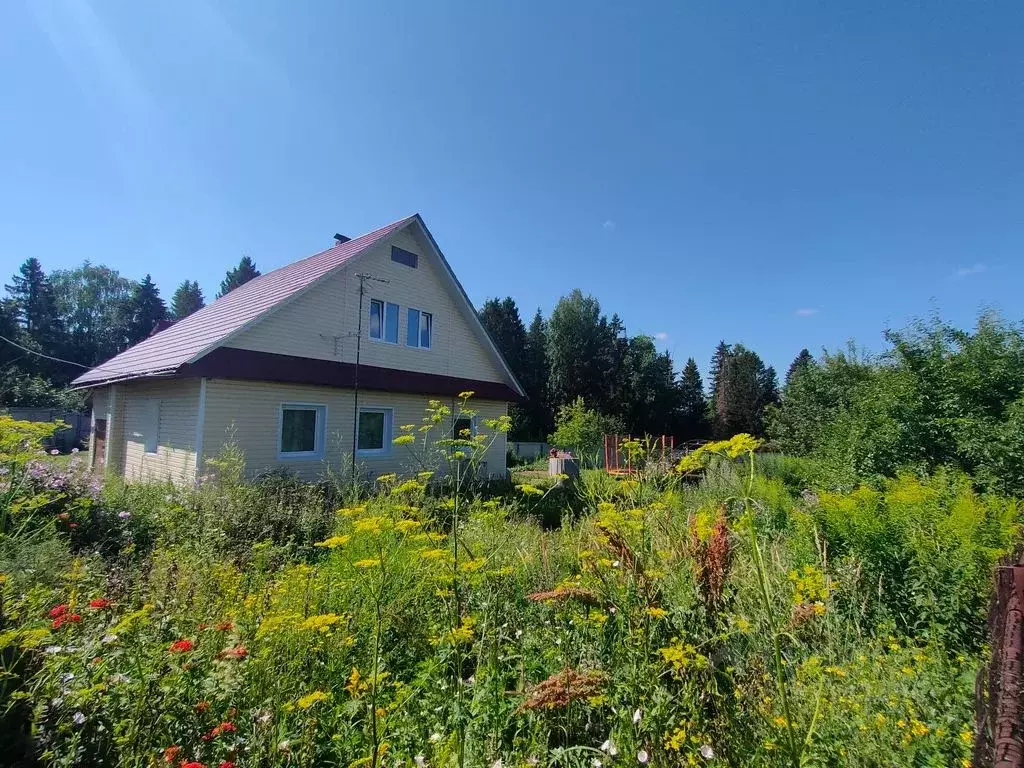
408 258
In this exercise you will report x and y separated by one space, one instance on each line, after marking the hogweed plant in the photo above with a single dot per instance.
448 438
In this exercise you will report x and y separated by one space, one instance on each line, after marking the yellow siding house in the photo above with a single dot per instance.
305 367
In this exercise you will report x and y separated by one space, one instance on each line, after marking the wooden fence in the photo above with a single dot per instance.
75 436
999 740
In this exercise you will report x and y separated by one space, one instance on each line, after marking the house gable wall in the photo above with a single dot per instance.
322 322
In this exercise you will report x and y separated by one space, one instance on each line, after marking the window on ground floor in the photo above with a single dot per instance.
302 431
374 430
151 426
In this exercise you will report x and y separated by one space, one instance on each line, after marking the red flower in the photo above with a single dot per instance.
99 602
193 764
72 525
64 618
225 727
171 753
237 653
181 646
202 706
225 626
202 626
226 764
58 610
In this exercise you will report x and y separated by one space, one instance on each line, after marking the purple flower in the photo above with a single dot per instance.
55 452
124 515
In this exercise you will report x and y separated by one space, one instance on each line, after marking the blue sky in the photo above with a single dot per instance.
783 174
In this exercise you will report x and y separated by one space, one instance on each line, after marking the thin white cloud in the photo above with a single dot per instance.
661 336
806 312
963 272
609 225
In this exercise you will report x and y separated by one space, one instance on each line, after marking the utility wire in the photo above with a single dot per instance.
61 360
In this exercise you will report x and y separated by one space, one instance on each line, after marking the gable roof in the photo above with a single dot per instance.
189 339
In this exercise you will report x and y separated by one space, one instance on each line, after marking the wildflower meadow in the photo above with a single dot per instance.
725 611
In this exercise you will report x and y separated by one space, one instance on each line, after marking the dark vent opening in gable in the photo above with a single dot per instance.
404 257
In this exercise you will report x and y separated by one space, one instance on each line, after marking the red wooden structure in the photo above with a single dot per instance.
620 462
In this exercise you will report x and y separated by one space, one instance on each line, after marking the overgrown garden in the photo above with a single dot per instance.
736 610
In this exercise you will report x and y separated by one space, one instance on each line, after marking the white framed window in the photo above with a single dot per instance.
301 431
420 329
151 426
374 431
384 321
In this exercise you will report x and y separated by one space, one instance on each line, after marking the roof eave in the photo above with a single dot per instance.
163 373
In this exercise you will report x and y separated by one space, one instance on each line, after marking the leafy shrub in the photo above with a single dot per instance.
582 430
939 397
923 551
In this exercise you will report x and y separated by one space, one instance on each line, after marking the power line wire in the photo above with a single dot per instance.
61 360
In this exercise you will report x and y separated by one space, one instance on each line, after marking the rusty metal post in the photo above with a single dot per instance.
1005 679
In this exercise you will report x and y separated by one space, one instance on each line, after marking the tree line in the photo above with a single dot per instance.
84 315
579 361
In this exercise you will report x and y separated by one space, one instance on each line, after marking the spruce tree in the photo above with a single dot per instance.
538 415
746 387
506 329
237 276
39 323
187 299
800 363
33 296
146 308
692 403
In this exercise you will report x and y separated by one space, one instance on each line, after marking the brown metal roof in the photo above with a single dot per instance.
166 351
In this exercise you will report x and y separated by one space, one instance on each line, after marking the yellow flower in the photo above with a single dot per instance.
529 490
918 728
473 565
742 624
466 395
388 477
351 511
780 721
407 525
354 686
310 699
367 563
424 476
333 542
657 613
675 740
320 623
432 554
403 440
679 656
966 737
461 634
370 525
